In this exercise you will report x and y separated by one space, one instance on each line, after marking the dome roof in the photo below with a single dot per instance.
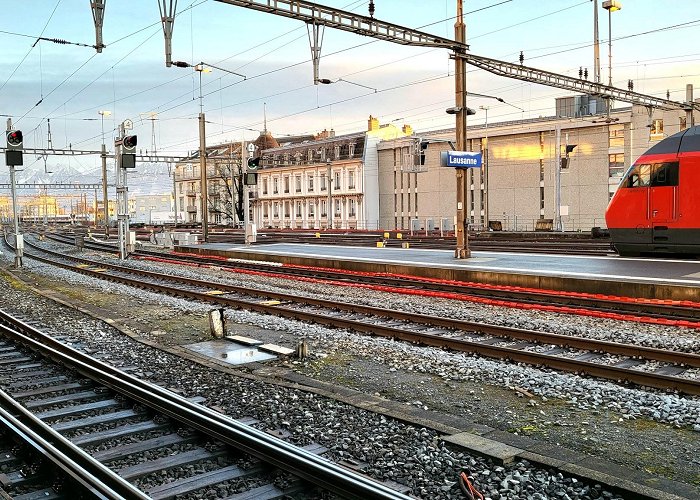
265 141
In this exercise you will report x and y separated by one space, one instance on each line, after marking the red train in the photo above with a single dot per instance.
656 208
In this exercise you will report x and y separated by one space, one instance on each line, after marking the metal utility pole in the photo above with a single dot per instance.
98 15
596 44
462 250
557 178
486 168
105 200
167 18
203 177
689 118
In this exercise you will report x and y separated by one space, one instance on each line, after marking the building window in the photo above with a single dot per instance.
264 183
312 208
336 151
310 156
323 182
276 210
351 179
337 208
298 210
351 150
352 208
657 129
324 208
311 183
616 136
323 154
265 210
616 165
297 184
286 209
337 181
541 197
541 170
182 203
286 184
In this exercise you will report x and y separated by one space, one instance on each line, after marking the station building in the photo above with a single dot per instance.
326 182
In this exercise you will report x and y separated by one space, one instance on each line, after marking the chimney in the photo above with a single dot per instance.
372 124
331 133
407 129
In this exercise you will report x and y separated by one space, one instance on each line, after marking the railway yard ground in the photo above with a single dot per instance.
420 394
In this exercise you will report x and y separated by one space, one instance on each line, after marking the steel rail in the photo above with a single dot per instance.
650 379
528 296
87 475
304 464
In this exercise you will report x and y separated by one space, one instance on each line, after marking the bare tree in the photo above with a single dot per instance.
227 198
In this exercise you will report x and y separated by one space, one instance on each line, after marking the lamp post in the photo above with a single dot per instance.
201 68
485 147
611 6
105 201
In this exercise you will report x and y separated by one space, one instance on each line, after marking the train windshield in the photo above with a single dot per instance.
651 175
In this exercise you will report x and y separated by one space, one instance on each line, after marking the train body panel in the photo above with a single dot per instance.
656 208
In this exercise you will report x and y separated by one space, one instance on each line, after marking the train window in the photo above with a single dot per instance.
691 140
638 176
665 174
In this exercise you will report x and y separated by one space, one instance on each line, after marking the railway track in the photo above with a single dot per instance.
689 312
643 366
117 436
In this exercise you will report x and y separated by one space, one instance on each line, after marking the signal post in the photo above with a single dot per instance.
13 158
125 151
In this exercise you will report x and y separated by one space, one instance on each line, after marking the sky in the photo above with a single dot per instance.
67 85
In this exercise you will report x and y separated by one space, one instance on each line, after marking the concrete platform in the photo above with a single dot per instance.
655 278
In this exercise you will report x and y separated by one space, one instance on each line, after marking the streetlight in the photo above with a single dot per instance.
611 6
485 147
105 201
326 81
202 67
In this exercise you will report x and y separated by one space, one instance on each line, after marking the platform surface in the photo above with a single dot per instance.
664 271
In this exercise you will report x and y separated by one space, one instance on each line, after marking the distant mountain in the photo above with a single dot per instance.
147 178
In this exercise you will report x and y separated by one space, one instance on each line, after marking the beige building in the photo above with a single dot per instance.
328 181
223 174
522 180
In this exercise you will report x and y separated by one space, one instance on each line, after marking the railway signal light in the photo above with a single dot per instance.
421 151
253 164
129 142
14 139
13 153
128 157
565 161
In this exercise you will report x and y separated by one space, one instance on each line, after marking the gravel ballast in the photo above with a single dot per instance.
657 432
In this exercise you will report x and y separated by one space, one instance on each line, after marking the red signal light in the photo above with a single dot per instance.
129 142
14 138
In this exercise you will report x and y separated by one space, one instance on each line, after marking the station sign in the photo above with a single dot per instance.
460 159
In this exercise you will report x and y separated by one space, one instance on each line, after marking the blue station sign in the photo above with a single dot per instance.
460 159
